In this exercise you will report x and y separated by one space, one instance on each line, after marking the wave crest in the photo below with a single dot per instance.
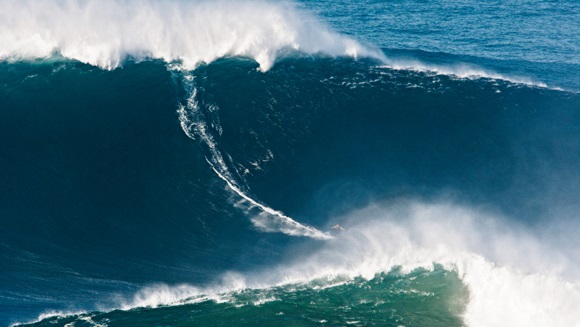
104 33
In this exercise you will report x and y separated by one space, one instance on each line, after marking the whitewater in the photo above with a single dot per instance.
105 33
255 86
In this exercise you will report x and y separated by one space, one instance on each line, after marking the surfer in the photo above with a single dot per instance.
337 227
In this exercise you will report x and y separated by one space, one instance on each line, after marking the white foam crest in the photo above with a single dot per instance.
460 70
157 295
503 296
161 294
104 32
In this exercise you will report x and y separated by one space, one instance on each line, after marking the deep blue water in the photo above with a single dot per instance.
154 194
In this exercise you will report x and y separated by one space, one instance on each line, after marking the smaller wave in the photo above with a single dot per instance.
104 33
50 315
512 277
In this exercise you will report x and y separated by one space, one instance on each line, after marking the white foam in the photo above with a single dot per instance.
104 32
460 70
50 314
503 296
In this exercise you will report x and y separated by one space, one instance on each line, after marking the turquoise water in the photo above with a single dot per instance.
179 163
417 299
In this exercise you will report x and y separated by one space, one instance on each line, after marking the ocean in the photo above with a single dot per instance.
289 163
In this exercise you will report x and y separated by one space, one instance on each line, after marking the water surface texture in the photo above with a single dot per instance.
308 163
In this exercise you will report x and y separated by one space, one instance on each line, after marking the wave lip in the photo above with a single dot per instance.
104 33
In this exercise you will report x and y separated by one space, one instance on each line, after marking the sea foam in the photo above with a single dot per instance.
514 275
106 32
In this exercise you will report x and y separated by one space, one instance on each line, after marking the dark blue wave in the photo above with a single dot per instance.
102 192
337 125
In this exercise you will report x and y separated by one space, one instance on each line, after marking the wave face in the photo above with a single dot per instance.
257 168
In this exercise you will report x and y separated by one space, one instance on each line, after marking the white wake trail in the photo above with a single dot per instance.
195 125
271 220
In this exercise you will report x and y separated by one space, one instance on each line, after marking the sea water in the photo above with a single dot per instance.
307 163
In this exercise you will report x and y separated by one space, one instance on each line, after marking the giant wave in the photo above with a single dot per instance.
453 188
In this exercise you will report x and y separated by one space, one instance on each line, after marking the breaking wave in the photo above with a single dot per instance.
443 193
105 33
403 242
